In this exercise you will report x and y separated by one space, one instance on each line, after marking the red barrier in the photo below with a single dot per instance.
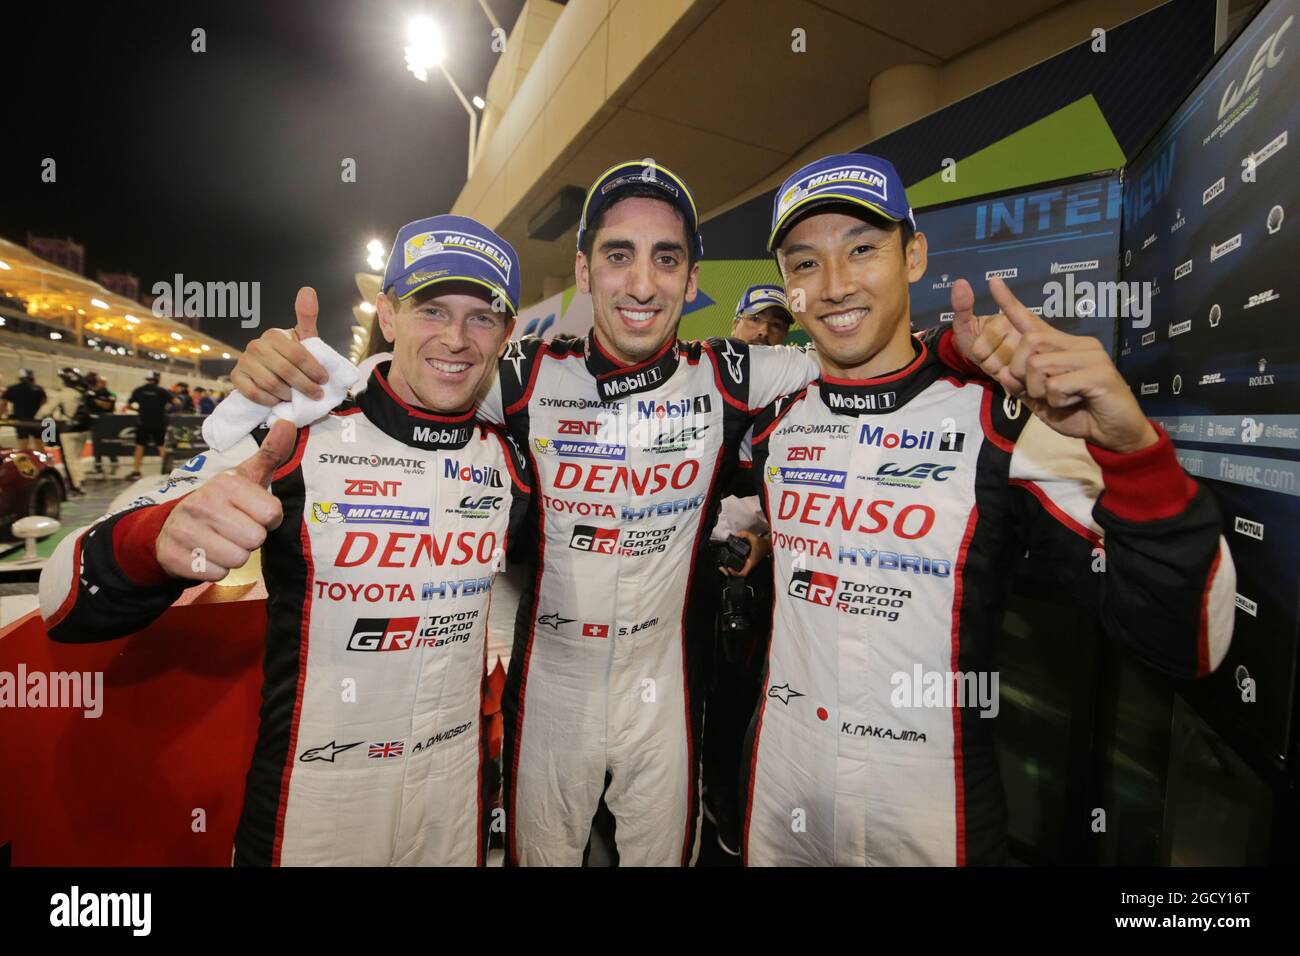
180 703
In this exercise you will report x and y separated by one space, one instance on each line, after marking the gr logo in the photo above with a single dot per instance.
813 586
383 633
590 538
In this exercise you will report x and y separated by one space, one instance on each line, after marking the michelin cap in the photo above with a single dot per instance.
619 179
856 178
759 297
452 249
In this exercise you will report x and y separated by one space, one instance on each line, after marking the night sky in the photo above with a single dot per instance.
225 165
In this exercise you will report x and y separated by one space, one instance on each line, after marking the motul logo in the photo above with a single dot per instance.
814 587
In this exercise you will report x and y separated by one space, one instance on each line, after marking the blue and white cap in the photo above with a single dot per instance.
624 176
452 249
857 178
759 297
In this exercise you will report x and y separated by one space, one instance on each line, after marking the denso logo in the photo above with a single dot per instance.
407 549
862 515
631 383
369 488
439 436
575 427
609 479
806 453
821 477
863 403
590 538
478 474
876 435
1268 55
699 405
813 586
383 633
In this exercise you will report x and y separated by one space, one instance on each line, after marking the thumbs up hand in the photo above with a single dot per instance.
275 362
229 516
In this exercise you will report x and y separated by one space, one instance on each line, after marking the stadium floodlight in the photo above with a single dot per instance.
479 102
425 50
177 336
367 307
99 303
376 258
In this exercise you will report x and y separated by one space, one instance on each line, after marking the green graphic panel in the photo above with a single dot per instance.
1073 141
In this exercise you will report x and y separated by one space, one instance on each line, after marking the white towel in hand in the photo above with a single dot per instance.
237 416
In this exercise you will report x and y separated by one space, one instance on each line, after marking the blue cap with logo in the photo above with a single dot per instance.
855 178
452 249
759 297
641 174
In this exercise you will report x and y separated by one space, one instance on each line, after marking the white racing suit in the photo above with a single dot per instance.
370 748
897 506
605 693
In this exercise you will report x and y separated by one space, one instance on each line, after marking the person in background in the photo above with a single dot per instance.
102 402
151 402
185 402
762 316
22 400
205 401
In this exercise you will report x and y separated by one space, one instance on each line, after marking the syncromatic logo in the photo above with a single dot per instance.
590 538
813 586
478 474
567 448
577 427
325 512
913 476
680 408
612 408
827 430
819 477
862 403
615 387
409 465
370 488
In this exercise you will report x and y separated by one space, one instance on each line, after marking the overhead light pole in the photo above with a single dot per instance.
424 51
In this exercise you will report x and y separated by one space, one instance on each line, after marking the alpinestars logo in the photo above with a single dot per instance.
813 587
733 360
554 620
328 752
783 693
514 354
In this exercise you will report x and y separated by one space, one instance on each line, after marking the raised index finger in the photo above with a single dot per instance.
1020 317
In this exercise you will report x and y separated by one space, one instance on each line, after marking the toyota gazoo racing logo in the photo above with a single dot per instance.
911 476
863 178
325 512
814 587
477 506
412 466
597 540
819 477
568 448
484 475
